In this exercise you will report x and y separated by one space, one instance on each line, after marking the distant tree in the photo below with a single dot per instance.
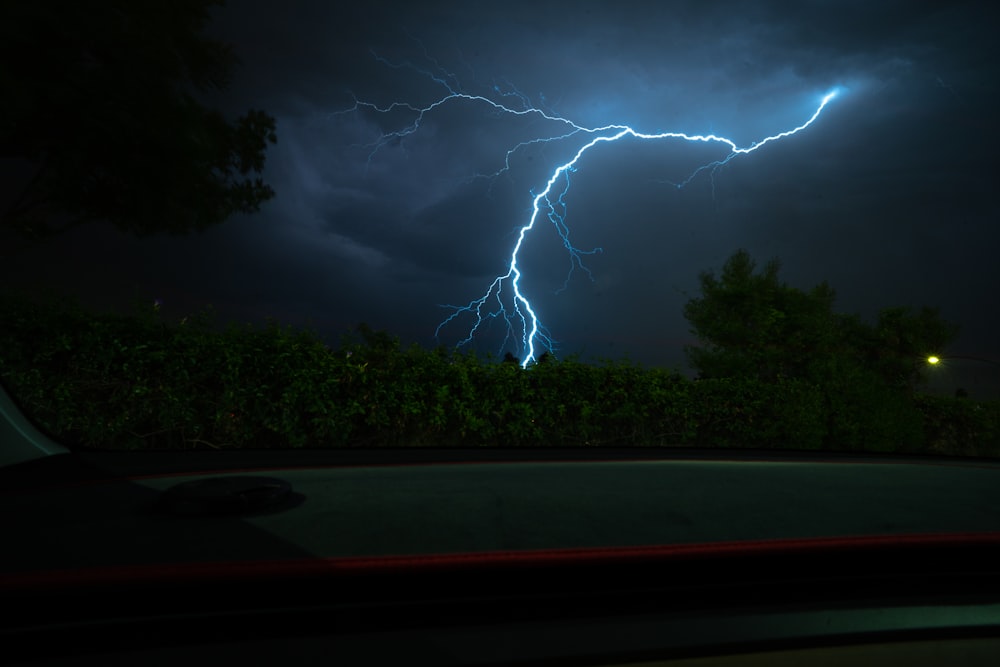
509 358
902 340
101 107
752 324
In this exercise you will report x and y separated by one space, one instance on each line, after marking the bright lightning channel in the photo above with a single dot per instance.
522 316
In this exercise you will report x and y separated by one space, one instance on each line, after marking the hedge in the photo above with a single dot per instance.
140 382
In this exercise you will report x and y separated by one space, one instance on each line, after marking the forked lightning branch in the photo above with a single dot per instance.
504 299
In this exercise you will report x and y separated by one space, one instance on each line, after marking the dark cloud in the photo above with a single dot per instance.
889 196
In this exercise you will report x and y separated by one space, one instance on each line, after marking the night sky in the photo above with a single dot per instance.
890 195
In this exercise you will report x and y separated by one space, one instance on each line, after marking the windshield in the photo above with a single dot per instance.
595 224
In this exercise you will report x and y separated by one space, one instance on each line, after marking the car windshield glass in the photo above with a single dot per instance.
532 224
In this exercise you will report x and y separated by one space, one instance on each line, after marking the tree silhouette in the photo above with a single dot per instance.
101 109
751 324
509 358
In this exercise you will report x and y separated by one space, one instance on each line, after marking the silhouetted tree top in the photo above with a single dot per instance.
751 324
101 107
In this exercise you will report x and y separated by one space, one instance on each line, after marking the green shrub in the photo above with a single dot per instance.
138 381
960 426
730 412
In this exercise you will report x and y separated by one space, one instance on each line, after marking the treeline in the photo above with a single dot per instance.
140 382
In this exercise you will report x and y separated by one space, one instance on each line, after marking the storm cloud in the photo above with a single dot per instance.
889 196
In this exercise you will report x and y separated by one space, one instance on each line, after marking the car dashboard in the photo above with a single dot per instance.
504 557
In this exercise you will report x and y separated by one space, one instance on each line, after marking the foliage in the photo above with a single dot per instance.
139 381
961 427
863 413
101 106
756 328
752 325
900 342
744 412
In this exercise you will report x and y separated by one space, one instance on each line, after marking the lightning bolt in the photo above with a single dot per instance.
519 316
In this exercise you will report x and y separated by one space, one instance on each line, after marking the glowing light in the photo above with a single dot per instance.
933 361
518 314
